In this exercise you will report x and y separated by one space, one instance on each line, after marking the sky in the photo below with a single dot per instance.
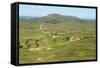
38 11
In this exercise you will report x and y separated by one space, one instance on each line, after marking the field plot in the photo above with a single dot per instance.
56 38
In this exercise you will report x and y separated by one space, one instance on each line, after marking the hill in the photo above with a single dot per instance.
54 18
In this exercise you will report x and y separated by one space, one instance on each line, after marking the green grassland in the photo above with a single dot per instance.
61 48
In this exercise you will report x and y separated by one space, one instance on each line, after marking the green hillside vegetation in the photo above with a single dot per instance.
56 38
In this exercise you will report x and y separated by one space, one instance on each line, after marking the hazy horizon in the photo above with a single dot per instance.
39 11
46 15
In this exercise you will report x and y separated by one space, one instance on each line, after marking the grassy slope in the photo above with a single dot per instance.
62 49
